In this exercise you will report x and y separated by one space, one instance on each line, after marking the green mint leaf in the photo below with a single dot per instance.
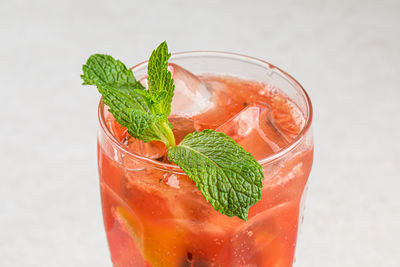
228 177
105 70
161 84
131 104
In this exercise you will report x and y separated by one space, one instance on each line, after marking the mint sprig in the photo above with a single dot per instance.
144 112
229 178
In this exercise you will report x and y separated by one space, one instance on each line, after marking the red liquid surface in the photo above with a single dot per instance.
157 218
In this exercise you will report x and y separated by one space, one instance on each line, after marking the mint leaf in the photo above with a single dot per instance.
161 84
105 70
228 177
132 105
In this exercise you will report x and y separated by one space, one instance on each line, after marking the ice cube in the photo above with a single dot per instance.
253 128
191 96
154 150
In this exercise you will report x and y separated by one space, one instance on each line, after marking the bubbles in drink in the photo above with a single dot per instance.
256 243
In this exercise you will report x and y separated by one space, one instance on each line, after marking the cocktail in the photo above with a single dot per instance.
155 214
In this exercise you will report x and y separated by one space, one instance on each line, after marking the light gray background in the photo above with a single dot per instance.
345 53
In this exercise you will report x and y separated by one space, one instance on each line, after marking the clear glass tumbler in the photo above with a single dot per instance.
155 216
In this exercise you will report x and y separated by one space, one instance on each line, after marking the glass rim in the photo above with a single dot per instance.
176 169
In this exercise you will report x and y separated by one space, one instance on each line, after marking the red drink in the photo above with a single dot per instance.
154 214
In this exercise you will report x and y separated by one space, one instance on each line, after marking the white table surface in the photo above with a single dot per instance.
345 53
